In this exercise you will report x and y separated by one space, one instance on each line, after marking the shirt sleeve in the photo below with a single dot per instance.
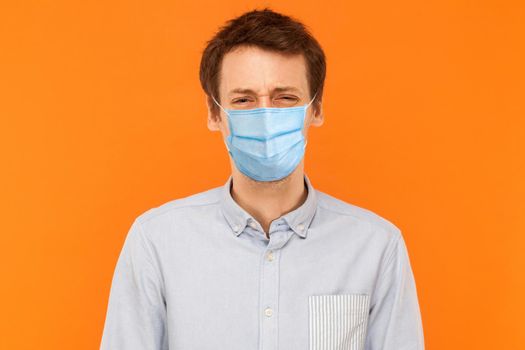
136 312
394 321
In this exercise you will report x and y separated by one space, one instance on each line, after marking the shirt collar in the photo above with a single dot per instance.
298 219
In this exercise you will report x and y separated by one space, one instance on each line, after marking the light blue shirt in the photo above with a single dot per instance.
199 273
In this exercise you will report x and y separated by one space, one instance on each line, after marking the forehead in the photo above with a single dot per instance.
250 67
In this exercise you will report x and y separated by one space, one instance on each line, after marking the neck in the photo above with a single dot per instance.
267 201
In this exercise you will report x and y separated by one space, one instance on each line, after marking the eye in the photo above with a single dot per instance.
286 100
243 102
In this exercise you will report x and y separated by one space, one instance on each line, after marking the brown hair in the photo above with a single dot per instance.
268 30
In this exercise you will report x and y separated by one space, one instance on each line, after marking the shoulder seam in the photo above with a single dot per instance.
335 211
367 215
143 218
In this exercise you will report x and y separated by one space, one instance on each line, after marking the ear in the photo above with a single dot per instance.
214 118
317 113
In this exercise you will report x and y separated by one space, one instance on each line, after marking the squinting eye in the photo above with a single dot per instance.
241 100
286 100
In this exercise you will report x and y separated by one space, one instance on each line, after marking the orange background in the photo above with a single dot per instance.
103 117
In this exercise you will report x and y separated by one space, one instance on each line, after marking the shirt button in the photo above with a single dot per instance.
253 224
236 228
268 311
269 256
300 227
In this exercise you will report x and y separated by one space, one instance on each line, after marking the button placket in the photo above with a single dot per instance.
270 291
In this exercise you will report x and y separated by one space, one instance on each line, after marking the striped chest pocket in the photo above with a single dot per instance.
338 321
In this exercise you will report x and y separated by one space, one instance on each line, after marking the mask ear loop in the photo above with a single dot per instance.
312 100
308 105
218 104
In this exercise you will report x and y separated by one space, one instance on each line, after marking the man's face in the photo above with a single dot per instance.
251 77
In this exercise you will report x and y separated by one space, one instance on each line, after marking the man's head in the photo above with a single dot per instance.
262 59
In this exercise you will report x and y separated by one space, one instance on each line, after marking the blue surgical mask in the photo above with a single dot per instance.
266 143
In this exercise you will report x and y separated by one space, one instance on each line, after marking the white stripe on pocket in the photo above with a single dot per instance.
338 321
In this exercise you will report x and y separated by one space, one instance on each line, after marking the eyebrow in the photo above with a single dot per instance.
277 89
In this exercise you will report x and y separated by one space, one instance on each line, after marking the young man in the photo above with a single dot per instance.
265 261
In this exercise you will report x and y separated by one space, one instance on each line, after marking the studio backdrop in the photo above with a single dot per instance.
103 117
